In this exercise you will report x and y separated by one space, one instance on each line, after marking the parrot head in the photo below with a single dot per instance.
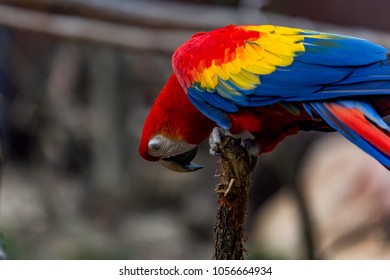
174 129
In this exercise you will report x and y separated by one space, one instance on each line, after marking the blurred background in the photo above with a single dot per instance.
77 79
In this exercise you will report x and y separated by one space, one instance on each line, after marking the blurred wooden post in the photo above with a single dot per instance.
108 120
232 191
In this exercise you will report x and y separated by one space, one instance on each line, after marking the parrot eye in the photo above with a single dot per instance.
155 147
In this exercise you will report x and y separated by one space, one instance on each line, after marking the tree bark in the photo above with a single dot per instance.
232 192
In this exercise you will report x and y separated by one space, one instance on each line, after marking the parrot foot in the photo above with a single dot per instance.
216 137
253 152
251 147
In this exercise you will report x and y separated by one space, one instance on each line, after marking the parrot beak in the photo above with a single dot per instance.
182 162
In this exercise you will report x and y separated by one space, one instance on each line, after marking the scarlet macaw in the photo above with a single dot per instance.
271 81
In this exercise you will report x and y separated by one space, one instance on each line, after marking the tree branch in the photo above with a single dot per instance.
232 192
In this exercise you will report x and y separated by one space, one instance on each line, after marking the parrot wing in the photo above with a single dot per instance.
359 123
243 66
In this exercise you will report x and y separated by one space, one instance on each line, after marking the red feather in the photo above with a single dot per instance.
174 116
356 121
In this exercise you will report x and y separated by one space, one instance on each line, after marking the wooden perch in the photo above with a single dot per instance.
232 192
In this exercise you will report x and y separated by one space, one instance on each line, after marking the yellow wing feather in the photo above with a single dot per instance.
275 47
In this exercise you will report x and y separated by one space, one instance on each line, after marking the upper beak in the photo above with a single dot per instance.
182 162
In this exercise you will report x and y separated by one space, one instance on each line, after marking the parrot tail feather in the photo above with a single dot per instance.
359 123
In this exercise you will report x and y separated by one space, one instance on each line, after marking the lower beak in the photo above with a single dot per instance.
182 162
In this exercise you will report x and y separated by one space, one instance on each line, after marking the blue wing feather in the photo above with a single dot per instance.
211 112
337 50
214 100
379 71
305 74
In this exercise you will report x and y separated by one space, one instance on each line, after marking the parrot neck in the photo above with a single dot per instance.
182 119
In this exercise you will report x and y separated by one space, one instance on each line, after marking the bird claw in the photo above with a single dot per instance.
251 147
215 140
216 137
253 152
